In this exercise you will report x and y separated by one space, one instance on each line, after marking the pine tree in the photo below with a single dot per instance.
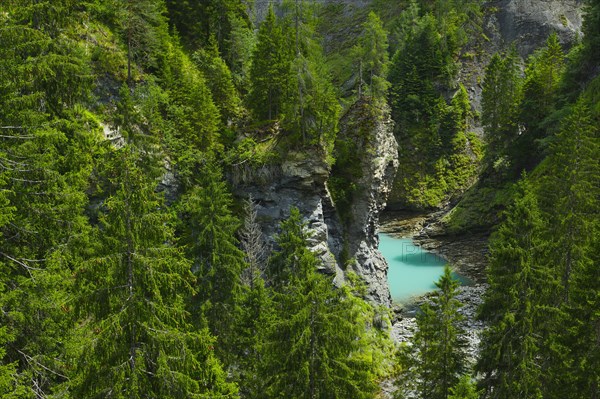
139 342
520 285
316 346
437 360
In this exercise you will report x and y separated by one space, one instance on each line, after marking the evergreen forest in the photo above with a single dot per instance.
141 258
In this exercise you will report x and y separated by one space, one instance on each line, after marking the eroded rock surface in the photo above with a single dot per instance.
379 162
300 181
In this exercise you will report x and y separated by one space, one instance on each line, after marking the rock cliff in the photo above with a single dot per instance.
372 134
301 181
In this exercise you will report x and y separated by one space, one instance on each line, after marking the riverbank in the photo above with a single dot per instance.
467 255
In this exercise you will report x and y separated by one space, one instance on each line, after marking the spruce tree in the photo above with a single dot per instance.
520 286
209 236
139 342
46 146
571 191
501 95
436 360
540 89
372 57
270 74
311 109
219 80
316 346
571 194
465 388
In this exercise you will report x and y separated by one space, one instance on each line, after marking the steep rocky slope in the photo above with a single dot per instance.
301 180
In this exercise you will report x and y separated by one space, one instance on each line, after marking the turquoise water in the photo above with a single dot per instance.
412 271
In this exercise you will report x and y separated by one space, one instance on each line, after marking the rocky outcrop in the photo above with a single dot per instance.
300 181
372 134
528 23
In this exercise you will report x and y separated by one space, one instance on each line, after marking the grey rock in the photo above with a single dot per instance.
378 164
301 181
528 23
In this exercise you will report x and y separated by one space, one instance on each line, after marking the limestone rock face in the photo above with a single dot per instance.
528 23
379 162
299 181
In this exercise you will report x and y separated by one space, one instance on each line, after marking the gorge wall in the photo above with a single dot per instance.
301 181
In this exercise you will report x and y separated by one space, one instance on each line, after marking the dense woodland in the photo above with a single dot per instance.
118 282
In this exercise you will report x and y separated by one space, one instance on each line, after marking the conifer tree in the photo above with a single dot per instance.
571 194
140 342
465 388
500 100
316 345
437 359
46 144
540 88
270 74
211 243
255 315
195 116
255 310
143 26
373 59
520 284
253 244
311 109
572 191
219 80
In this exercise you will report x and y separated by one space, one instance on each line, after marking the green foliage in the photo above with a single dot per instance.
540 89
479 209
439 157
591 32
130 300
270 74
570 193
47 143
226 20
435 361
317 346
220 81
465 388
311 110
501 96
372 55
520 287
571 190
209 237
